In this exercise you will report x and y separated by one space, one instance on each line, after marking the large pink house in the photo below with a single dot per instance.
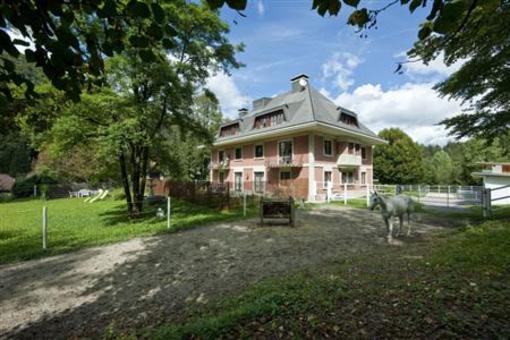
298 142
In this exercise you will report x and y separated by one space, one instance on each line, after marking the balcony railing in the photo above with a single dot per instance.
283 162
349 160
220 165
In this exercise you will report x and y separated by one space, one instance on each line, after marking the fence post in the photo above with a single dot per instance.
448 197
345 193
329 191
489 202
368 195
168 211
244 203
45 227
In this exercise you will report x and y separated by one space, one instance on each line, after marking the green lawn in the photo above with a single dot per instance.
74 224
453 286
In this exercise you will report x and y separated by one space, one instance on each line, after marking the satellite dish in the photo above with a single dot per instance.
303 82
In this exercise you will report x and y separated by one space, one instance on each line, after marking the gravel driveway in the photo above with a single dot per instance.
147 280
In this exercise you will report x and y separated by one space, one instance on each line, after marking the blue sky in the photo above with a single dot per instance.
284 38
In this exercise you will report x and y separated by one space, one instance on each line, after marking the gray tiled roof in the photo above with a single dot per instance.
299 107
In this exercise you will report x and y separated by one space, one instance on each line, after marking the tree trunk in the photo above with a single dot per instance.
125 183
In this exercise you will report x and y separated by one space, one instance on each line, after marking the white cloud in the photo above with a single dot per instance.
339 69
16 34
414 107
260 7
228 94
436 67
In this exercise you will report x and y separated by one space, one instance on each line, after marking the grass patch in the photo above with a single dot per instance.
74 224
454 285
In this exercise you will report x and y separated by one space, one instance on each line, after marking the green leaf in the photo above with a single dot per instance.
359 18
138 9
168 43
450 17
237 4
414 5
215 4
155 31
353 3
108 10
30 56
157 11
425 30
147 55
334 7
138 41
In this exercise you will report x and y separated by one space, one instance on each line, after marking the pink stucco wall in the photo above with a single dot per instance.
300 173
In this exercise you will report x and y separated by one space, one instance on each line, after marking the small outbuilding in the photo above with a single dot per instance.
496 176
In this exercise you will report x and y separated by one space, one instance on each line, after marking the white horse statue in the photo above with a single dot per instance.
393 206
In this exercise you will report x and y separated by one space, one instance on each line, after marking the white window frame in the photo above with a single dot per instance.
343 177
324 147
291 148
280 175
324 177
364 148
235 153
255 151
263 180
242 181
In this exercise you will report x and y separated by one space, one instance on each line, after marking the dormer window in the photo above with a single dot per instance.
348 119
229 130
269 119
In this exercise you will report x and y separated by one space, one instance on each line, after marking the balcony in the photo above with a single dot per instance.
283 162
349 160
220 165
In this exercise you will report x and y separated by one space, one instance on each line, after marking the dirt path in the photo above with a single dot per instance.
143 281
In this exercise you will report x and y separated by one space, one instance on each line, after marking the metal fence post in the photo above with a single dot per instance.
448 197
168 211
368 195
244 203
45 227
345 193
489 203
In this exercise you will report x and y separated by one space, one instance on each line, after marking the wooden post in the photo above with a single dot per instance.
45 227
345 193
292 212
168 212
261 208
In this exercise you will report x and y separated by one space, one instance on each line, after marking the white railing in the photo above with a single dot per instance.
349 160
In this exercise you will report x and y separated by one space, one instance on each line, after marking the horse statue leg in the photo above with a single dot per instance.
401 226
389 224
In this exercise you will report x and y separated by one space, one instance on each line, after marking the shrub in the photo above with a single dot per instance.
24 187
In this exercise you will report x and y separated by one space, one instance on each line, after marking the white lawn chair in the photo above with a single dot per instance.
95 198
103 195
